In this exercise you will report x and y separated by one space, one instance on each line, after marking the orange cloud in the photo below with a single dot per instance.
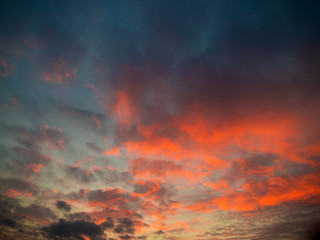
34 167
112 152
253 195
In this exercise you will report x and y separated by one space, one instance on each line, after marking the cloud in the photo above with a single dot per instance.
114 196
25 161
92 119
41 135
108 224
66 230
8 222
94 147
152 189
125 225
209 108
80 174
63 206
15 187
36 212
164 169
159 232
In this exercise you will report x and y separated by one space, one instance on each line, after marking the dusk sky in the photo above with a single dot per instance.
174 120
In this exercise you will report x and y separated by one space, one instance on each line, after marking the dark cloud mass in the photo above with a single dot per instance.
74 230
137 119
63 206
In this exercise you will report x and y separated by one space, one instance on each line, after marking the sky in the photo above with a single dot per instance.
174 120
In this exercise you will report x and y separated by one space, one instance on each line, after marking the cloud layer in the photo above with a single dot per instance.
159 120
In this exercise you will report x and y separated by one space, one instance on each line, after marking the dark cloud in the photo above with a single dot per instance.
157 167
142 237
37 212
238 59
159 232
254 165
63 206
266 159
79 173
38 136
69 230
83 216
25 156
107 195
19 185
76 195
16 183
118 198
313 233
127 224
107 224
7 206
90 119
94 147
8 222
153 189
24 161
126 237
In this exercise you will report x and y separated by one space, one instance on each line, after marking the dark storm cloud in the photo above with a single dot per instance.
63 206
68 230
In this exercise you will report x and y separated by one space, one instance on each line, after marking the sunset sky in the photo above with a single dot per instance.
154 119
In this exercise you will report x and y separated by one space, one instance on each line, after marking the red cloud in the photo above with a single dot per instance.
256 194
